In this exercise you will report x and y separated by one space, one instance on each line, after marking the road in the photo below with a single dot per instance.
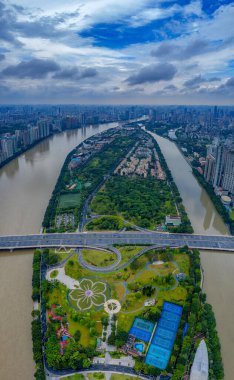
108 239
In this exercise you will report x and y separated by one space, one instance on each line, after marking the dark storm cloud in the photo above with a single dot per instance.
213 79
44 28
163 50
196 47
194 82
226 90
74 73
197 80
6 19
34 69
171 87
230 82
174 51
153 73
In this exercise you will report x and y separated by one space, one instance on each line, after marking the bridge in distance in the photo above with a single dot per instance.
101 239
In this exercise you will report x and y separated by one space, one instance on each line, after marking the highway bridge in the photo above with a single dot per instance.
106 239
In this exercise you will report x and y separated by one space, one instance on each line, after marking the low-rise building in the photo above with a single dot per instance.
173 220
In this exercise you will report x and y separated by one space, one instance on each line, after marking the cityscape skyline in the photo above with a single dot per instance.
100 52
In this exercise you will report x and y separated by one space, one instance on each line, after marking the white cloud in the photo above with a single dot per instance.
114 66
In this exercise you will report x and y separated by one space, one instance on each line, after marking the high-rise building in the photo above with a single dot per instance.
44 129
228 175
7 147
209 172
219 165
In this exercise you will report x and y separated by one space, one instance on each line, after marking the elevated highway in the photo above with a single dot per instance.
105 239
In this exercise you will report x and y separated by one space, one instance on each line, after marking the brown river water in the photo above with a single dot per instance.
25 188
218 267
26 184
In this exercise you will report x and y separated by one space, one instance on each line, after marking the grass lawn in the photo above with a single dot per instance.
182 260
67 201
62 255
164 269
96 376
98 258
146 277
125 321
54 274
85 337
133 303
118 290
78 376
129 251
178 295
55 256
115 376
232 215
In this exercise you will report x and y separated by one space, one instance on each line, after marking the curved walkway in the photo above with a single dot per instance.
99 368
139 254
107 269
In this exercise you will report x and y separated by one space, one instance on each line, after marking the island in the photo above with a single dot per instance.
138 310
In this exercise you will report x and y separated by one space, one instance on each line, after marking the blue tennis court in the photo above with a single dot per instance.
168 325
142 329
175 309
165 333
163 339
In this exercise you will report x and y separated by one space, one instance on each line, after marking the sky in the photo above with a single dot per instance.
117 51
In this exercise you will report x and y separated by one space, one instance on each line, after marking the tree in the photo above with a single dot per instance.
148 290
77 335
121 338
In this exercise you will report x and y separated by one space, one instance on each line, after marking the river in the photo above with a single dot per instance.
218 267
26 184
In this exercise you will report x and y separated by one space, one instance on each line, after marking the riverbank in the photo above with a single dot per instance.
210 191
216 201
24 150
206 220
27 181
224 214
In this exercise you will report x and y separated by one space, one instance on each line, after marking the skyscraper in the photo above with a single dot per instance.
228 176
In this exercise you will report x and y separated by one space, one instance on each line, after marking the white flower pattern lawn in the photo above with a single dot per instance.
89 293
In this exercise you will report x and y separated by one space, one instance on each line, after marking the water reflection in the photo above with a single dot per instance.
10 169
208 211
34 154
200 209
71 134
83 131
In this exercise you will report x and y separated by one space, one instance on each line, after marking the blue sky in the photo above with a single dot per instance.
125 51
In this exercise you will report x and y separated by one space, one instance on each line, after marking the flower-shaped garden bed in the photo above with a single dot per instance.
89 293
